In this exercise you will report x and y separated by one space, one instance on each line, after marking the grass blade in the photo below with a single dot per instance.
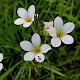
2 77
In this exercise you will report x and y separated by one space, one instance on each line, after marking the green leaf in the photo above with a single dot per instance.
18 74
50 0
2 77
51 68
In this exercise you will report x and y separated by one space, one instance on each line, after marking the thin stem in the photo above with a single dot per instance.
33 29
35 67
45 39
29 73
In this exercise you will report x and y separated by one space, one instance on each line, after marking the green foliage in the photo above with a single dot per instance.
61 63
2 77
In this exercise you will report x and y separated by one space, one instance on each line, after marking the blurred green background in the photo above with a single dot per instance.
65 59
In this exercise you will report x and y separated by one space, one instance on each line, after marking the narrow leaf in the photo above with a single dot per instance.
2 77
51 68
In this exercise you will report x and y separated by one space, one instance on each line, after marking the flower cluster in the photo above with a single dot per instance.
56 30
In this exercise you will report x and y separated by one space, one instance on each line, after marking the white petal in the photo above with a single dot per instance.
51 23
58 22
48 25
26 45
67 39
1 57
56 42
31 11
1 66
52 32
19 21
39 57
36 40
45 48
27 24
22 13
68 27
29 56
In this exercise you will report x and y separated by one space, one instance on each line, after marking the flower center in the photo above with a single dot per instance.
28 19
36 49
59 33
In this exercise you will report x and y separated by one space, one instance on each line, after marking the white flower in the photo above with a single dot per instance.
35 49
60 32
1 58
26 17
48 25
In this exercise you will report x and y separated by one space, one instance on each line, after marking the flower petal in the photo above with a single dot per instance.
67 39
52 32
29 56
1 66
56 42
22 13
26 45
39 57
51 23
19 21
68 27
36 40
1 57
27 24
45 48
31 11
58 22
48 25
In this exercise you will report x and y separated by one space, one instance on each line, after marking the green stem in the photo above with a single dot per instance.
29 73
33 29
23 71
45 39
35 67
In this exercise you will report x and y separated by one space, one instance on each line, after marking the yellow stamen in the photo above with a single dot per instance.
59 33
36 50
28 19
